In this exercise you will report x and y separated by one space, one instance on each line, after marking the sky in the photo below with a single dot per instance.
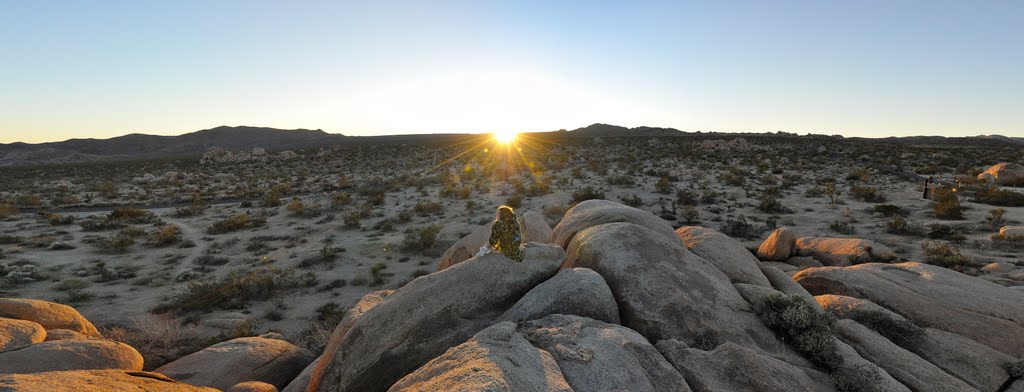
81 69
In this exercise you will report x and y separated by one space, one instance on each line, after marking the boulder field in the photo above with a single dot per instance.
613 299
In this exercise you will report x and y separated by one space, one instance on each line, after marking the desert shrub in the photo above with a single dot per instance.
993 195
808 331
902 226
428 207
842 227
995 218
514 201
237 289
73 297
327 254
587 193
352 218
944 255
770 203
664 185
900 331
686 197
340 200
132 215
709 197
738 228
377 275
159 338
421 239
207 260
889 210
164 235
620 180
833 193
814 192
867 194
270 199
947 205
71 284
232 223
59 220
859 174
7 210
115 244
733 178
632 200
1015 369
856 378
690 215
555 212
945 232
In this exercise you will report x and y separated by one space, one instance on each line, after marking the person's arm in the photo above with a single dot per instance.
494 234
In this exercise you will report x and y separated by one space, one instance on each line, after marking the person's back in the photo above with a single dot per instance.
505 234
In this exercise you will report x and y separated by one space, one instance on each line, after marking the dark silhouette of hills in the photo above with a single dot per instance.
606 130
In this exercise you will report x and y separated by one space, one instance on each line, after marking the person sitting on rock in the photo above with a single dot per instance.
505 237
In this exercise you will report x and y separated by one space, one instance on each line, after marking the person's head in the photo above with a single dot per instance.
504 213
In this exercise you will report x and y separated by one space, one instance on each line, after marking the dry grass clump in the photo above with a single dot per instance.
237 289
160 338
235 222
947 205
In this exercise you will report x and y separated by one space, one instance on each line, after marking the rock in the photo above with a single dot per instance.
575 291
316 369
779 246
730 367
727 254
666 292
845 307
239 360
1011 232
94 380
597 356
1005 173
72 354
997 267
535 229
288 154
787 268
64 334
18 333
755 294
252 386
48 314
970 361
258 151
803 262
595 212
784 283
861 375
404 331
273 335
843 251
495 359
931 296
905 366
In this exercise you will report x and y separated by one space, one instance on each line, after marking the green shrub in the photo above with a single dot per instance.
686 197
867 194
889 210
947 205
770 203
944 255
810 332
902 226
632 201
993 195
842 227
237 289
738 228
900 331
421 239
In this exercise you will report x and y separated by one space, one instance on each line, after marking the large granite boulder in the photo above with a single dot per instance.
575 291
1005 173
17 333
843 251
727 254
734 368
496 359
933 297
597 356
239 360
48 314
73 354
312 374
779 246
595 212
94 380
405 331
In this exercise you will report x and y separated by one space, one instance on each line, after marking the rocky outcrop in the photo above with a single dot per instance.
312 374
718 145
94 380
666 292
252 386
228 363
62 334
534 229
72 354
575 291
931 296
784 283
731 367
779 246
843 251
18 333
48 314
595 212
859 374
727 254
404 332
495 359
219 155
1006 173
905 366
597 356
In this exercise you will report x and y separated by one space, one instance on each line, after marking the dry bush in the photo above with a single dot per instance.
160 338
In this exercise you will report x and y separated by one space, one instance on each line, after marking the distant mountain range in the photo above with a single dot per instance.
135 146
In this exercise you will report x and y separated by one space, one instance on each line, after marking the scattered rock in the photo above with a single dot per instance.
48 314
94 380
18 333
71 354
727 254
779 246
239 360
575 291
495 359
404 332
843 251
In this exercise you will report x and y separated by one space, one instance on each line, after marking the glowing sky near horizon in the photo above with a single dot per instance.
72 69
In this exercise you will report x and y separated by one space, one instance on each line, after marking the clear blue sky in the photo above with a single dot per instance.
860 68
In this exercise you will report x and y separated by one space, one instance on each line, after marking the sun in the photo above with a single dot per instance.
505 136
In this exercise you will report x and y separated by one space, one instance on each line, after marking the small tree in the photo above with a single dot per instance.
832 192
